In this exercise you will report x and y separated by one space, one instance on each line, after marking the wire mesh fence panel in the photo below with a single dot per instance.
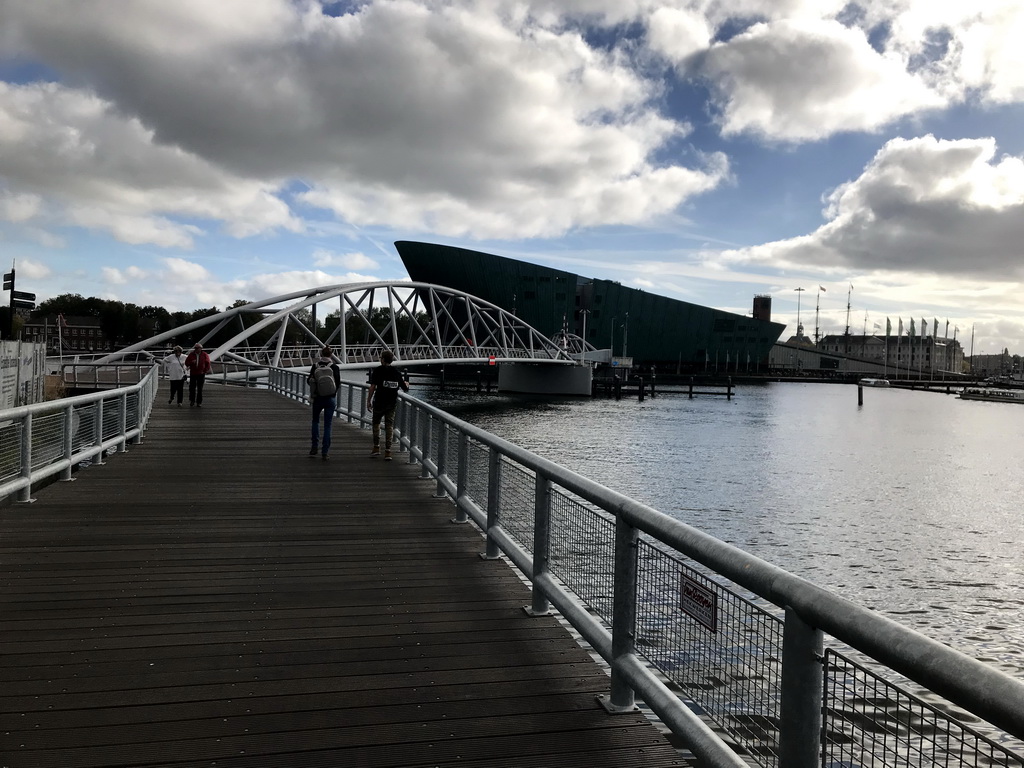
132 410
437 429
870 722
111 418
477 481
446 444
10 451
517 502
47 439
721 650
83 427
582 551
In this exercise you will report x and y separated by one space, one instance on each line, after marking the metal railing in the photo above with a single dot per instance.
46 439
717 642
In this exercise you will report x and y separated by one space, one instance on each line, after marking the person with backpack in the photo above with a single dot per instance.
324 382
382 399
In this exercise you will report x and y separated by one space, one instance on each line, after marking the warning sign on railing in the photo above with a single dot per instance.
699 602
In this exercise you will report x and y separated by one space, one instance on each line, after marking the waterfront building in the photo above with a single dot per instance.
79 334
1002 364
638 327
921 355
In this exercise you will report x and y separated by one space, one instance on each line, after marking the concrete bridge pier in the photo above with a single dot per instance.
545 379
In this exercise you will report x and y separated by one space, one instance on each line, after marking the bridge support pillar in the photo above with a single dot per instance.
545 379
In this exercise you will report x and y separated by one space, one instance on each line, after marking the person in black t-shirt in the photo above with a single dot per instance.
382 399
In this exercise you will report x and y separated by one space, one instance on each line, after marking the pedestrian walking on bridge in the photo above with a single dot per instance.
324 382
382 399
174 366
199 366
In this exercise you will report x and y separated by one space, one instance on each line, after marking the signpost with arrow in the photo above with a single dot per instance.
19 300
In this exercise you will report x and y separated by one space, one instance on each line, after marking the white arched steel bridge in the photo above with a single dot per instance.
423 324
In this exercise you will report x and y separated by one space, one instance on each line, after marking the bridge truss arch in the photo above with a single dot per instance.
422 323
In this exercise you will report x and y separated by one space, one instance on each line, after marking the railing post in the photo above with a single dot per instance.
622 698
99 432
428 439
414 433
351 394
492 551
442 459
541 536
407 410
25 494
462 480
69 435
123 421
802 680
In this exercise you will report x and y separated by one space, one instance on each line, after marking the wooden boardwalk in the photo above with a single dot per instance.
217 598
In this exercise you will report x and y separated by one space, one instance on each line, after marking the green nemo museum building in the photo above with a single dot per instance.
653 330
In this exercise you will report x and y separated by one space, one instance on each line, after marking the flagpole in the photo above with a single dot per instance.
799 325
817 308
899 337
972 349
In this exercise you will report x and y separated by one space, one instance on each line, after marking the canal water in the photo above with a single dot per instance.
912 504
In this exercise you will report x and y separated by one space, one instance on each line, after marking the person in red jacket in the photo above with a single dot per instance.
198 363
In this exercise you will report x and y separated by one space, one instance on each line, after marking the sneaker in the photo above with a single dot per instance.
313 451
375 453
387 455
324 457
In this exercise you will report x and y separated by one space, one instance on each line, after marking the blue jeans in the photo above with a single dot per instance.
327 404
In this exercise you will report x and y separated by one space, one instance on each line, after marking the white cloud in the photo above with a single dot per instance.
188 272
19 208
32 270
103 171
113 276
959 46
797 81
483 121
677 33
950 208
352 261
116 276
267 286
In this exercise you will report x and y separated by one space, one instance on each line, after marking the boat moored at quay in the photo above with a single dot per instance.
993 394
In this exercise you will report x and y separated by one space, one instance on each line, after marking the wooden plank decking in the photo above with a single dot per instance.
216 597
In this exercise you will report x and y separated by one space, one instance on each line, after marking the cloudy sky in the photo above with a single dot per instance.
191 153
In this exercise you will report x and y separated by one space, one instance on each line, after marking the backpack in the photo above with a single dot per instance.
323 381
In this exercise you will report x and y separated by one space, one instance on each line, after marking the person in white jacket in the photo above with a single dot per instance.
174 367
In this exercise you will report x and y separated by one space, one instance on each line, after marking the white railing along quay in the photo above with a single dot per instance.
45 439
659 599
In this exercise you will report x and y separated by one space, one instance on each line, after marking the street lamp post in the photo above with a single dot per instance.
583 351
